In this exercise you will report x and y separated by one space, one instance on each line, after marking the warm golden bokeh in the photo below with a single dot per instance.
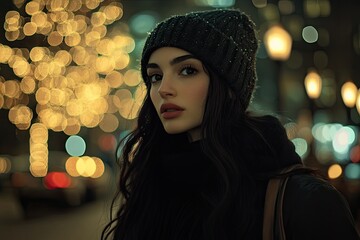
73 39
129 109
81 78
27 85
5 165
30 28
114 79
1 101
38 150
21 115
55 38
21 67
132 77
109 123
334 171
126 43
85 166
70 166
313 84
43 95
73 126
11 89
113 12
100 168
5 53
39 19
33 7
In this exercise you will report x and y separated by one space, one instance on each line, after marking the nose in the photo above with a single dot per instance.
167 88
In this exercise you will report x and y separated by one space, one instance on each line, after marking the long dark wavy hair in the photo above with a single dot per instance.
223 115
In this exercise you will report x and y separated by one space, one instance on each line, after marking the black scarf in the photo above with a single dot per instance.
185 174
265 151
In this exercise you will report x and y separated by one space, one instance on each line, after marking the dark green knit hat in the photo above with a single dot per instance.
224 40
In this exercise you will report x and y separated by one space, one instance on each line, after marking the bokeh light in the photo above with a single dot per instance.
55 180
85 166
352 171
70 166
100 168
313 84
315 8
142 23
286 6
75 145
310 34
5 165
355 154
73 77
38 150
259 3
301 147
334 171
107 142
215 3
349 93
343 139
109 123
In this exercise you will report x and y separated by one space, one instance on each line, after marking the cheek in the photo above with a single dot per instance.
154 97
203 93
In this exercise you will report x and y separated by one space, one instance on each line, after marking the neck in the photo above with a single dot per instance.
194 134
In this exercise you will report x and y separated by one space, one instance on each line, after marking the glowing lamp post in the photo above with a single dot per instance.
313 89
313 84
349 93
278 43
351 97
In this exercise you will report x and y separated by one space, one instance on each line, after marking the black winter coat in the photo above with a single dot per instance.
313 209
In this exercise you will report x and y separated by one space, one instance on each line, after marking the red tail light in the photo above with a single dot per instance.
57 180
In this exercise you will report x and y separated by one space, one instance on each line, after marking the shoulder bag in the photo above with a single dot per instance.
273 215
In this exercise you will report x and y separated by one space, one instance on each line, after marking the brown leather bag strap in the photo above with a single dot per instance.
269 208
274 202
279 208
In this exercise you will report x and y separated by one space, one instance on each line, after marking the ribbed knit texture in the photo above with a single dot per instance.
224 40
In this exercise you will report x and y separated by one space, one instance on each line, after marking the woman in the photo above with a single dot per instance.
197 164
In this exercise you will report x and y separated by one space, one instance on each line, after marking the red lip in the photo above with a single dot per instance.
169 106
175 111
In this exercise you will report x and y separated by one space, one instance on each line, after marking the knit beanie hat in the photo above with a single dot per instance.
224 40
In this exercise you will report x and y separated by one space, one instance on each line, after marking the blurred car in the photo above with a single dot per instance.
57 186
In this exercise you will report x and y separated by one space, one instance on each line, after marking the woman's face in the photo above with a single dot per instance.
179 88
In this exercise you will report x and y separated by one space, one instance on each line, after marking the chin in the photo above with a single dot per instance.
181 128
173 131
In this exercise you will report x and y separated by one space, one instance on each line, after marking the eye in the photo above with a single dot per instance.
154 78
188 70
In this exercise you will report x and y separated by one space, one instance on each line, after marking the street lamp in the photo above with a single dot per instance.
349 94
350 97
313 84
278 43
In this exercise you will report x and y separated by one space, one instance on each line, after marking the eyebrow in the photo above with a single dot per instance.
173 62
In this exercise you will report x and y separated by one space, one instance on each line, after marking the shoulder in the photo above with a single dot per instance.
314 209
307 185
